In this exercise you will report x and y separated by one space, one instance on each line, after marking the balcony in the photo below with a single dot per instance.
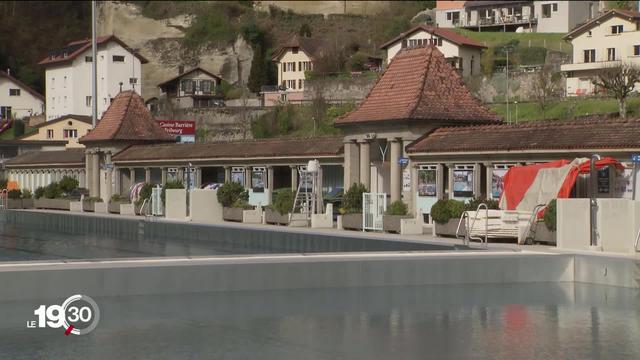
512 20
590 65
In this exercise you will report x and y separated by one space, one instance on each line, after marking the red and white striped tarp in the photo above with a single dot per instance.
527 186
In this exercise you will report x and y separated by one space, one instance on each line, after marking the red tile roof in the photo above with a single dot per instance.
448 34
75 48
539 135
312 47
67 157
271 148
22 85
630 14
419 85
127 119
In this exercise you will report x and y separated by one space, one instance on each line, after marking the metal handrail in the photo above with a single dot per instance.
635 245
532 220
486 224
463 217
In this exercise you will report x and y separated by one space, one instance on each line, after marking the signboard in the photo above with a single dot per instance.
427 182
497 182
178 127
463 183
403 161
406 180
623 186
635 158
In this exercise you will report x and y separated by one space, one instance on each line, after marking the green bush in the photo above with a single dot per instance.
242 204
39 192
472 205
118 198
67 184
26 194
170 185
93 199
52 191
550 217
230 193
14 194
145 193
352 200
397 208
283 201
444 210
3 183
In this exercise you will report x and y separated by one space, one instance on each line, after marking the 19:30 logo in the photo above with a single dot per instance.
78 315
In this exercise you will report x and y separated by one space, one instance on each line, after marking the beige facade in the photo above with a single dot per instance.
66 128
613 41
291 68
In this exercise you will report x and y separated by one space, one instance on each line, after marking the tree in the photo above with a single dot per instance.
619 81
258 72
546 85
305 30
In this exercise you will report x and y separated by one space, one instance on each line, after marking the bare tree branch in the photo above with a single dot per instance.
546 88
619 81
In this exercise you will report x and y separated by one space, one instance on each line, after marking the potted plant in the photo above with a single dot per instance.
233 198
89 203
546 232
446 215
144 194
278 212
52 198
114 203
395 212
352 207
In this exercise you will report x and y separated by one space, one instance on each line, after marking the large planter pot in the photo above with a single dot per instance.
114 206
232 214
27 203
273 217
100 207
15 203
352 221
54 204
449 228
391 223
87 206
543 234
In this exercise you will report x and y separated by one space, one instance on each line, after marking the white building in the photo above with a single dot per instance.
17 100
608 40
461 52
538 16
68 76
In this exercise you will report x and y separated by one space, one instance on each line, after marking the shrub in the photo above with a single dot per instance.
242 204
550 217
397 208
14 194
67 184
52 191
145 193
3 183
444 210
26 194
230 193
118 198
352 200
170 185
283 201
39 192
472 205
93 199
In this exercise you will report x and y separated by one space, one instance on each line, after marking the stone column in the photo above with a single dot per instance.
477 180
147 175
247 177
109 180
198 177
439 181
118 182
414 188
87 170
181 176
227 174
95 174
450 184
489 178
396 170
294 177
365 164
269 185
163 170
351 164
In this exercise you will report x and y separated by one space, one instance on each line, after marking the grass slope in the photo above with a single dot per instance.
567 109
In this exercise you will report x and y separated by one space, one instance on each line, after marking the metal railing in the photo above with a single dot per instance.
635 245
528 240
469 226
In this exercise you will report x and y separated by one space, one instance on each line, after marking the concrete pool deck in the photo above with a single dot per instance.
499 263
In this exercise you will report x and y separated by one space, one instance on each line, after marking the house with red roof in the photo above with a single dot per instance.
68 76
17 99
461 52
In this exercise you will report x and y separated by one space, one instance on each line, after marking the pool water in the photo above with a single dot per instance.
524 321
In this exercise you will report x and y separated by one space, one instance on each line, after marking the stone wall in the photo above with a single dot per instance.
344 90
325 8
159 41
492 89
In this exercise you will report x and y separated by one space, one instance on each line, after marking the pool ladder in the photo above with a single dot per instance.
469 227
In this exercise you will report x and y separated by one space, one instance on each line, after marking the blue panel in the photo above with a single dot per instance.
261 198
425 203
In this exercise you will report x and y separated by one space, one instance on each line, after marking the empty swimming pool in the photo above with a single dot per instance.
48 236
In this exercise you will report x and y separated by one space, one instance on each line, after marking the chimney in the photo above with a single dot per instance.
180 69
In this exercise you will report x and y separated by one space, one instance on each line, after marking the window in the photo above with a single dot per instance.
14 92
69 133
471 66
589 55
611 54
118 58
546 10
463 181
5 112
205 86
589 33
439 41
187 86
294 65
294 50
554 7
64 82
87 101
88 59
299 65
453 16
50 134
299 83
636 50
617 29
